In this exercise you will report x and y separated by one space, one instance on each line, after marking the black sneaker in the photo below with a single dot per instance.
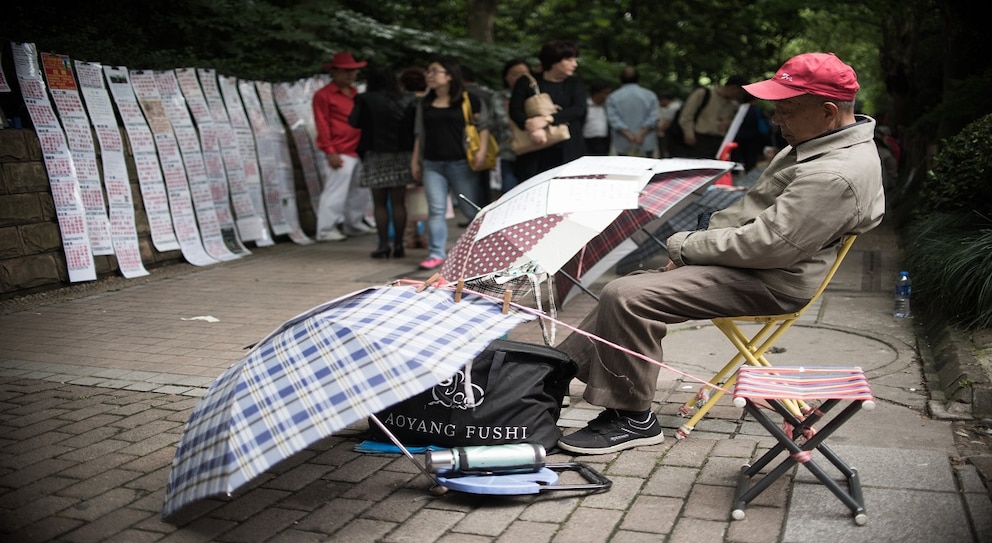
612 432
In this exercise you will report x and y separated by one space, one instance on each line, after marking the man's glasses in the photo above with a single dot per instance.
435 72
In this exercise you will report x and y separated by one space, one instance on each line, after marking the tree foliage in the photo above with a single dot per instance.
897 46
678 43
960 179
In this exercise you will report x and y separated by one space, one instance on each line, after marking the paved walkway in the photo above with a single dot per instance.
94 393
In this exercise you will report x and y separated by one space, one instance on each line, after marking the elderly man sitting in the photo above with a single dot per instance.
765 254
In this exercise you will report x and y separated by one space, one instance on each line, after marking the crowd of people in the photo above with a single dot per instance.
407 130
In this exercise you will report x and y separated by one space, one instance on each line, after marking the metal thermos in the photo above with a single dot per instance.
489 459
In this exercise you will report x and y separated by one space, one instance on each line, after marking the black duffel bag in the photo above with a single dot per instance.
517 389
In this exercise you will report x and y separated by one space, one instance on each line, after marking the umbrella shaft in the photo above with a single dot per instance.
579 284
473 204
406 452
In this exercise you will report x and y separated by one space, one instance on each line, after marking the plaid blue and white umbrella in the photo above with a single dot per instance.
323 371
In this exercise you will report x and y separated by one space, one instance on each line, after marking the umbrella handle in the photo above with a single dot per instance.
470 202
438 488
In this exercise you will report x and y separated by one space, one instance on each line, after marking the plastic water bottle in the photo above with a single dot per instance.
904 287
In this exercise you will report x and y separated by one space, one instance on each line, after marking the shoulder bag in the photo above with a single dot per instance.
473 140
538 105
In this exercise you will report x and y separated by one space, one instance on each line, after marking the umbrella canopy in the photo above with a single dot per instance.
542 223
714 199
663 197
322 371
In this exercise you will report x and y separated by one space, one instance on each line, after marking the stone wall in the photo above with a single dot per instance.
31 256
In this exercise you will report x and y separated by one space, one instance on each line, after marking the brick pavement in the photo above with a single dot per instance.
95 391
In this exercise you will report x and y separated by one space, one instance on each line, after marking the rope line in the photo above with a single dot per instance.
449 286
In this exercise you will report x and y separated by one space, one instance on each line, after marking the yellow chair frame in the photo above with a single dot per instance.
751 350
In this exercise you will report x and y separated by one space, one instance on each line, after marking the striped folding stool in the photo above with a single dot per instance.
760 387
751 348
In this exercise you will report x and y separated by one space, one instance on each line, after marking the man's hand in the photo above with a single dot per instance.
670 266
334 161
639 138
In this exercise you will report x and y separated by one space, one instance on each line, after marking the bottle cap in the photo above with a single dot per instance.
440 461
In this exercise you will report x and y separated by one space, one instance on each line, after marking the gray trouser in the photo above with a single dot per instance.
634 312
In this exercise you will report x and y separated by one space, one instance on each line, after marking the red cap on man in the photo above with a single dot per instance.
344 61
819 74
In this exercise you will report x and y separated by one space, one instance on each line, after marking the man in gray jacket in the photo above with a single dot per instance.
765 254
632 111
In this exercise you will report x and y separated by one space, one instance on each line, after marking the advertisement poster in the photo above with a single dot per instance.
287 100
174 172
59 74
196 172
213 160
150 181
66 194
4 85
282 161
249 219
123 231
265 147
245 142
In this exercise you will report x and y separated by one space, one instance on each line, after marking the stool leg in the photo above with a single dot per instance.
715 395
753 349
797 430
744 495
852 499
747 353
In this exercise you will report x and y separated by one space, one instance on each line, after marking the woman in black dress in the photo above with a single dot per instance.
385 115
559 60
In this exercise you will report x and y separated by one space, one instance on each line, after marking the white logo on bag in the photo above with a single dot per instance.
450 393
468 432
423 426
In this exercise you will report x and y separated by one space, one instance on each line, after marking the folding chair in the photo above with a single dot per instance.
756 387
751 350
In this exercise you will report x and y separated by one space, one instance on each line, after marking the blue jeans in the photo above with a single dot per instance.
439 178
508 176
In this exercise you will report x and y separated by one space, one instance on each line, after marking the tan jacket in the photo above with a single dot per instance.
714 118
787 225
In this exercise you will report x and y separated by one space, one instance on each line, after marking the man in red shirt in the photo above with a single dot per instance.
342 201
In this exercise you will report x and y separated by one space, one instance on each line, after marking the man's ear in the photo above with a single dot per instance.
831 111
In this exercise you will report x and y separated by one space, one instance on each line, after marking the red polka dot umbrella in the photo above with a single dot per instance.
661 200
541 224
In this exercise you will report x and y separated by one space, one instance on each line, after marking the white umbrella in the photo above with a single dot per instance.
542 223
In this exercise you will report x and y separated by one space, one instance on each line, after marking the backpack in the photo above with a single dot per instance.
674 132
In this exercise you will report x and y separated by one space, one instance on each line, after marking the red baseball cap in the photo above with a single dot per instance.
819 74
344 61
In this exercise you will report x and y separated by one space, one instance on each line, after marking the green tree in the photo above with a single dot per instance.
922 63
